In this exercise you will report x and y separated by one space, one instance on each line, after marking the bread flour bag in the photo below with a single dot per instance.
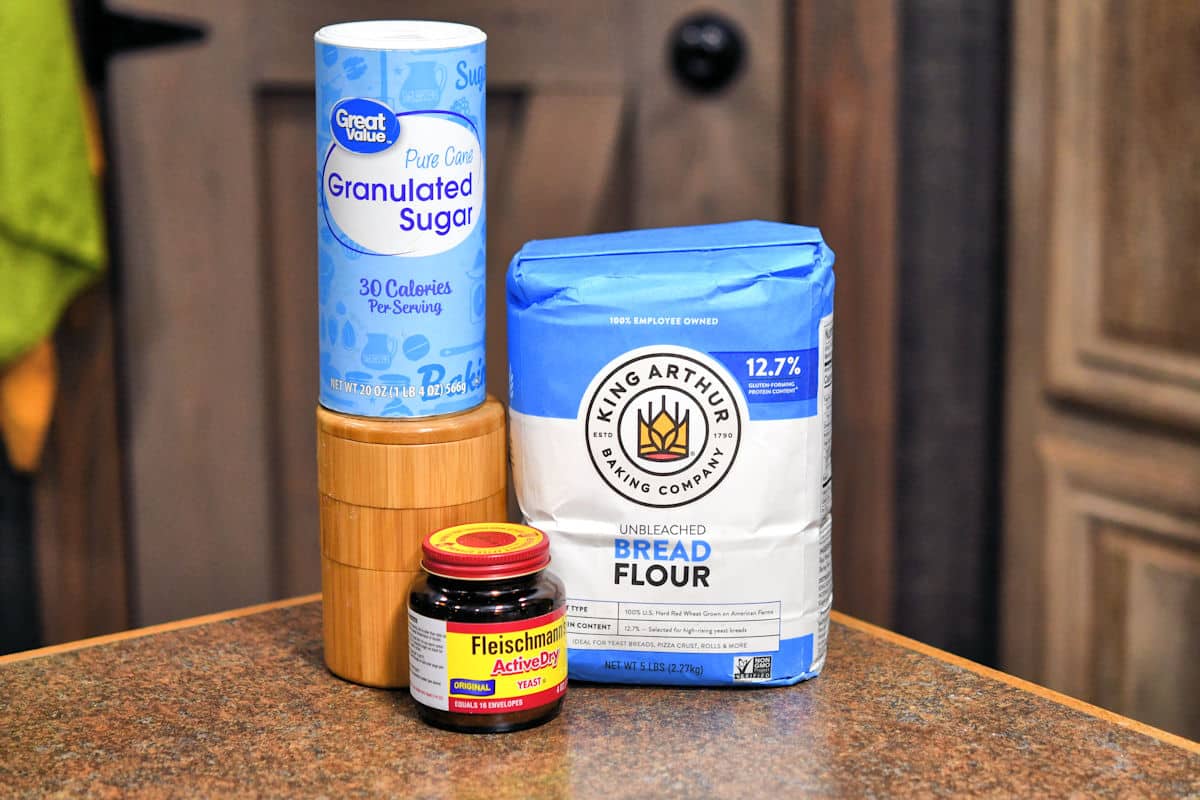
670 421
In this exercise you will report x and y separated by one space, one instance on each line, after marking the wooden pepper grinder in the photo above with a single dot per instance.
384 485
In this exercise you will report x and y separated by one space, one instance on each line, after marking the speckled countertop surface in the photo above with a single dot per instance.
245 707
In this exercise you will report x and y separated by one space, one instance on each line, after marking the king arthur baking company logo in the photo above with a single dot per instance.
662 426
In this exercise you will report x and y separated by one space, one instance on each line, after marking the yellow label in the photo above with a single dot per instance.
495 668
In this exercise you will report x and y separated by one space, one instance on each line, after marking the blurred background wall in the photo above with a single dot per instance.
1012 188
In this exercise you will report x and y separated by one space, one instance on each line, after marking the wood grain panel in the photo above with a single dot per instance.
1162 674
1111 569
1123 567
577 133
571 44
845 138
192 333
1147 650
709 158
505 118
1122 259
79 503
289 310
1151 166
1026 413
1092 320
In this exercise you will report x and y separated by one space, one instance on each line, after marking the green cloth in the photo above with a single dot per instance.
51 228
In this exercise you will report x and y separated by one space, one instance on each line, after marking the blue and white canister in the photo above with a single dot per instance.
401 217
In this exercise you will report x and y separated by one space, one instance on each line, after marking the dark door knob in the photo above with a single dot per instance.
706 51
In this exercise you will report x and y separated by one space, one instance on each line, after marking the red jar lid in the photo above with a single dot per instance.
485 551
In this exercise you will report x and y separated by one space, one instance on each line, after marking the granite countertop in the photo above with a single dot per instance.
241 704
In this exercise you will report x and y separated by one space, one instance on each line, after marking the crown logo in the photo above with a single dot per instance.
662 437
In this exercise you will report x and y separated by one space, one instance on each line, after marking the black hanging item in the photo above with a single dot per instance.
104 34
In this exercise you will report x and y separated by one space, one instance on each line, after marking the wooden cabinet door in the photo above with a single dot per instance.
1102 546
213 158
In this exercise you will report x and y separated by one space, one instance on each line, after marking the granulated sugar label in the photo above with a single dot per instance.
670 421
400 156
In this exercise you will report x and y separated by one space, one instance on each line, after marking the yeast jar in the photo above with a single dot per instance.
487 630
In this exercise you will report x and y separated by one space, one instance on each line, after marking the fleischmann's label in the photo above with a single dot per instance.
401 260
491 668
671 425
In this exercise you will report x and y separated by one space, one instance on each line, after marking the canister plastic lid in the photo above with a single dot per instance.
400 34
485 551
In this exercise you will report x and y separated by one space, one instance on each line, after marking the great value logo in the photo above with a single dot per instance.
364 126
409 187
662 427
